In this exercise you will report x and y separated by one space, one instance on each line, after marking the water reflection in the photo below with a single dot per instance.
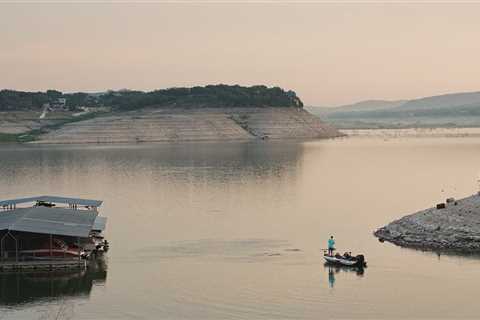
334 270
26 288
200 160
440 254
331 277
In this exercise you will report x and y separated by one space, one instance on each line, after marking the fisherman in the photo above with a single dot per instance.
331 246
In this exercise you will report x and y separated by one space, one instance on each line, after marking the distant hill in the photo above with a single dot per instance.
211 96
443 101
210 113
367 105
448 110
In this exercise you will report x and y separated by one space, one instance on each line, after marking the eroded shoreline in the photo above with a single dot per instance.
183 124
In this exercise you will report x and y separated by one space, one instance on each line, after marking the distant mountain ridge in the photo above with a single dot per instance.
370 105
443 101
367 105
433 102
453 109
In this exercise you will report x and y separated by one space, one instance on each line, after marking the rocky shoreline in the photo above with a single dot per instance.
450 226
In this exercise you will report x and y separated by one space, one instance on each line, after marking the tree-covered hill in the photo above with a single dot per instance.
210 96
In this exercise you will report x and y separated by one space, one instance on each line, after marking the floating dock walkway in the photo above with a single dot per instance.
49 265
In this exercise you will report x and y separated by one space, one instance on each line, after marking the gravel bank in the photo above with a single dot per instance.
455 227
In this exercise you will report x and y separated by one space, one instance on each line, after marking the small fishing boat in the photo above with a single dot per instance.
346 260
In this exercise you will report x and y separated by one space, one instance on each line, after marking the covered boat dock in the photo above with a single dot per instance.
47 232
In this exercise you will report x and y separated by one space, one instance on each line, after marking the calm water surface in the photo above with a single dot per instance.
234 231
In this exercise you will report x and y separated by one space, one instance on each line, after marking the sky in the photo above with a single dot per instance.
329 53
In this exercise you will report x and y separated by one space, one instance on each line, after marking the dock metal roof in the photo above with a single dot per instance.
57 221
54 199
100 223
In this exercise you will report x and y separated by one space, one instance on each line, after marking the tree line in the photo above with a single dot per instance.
210 96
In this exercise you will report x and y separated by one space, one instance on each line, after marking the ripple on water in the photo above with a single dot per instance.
250 250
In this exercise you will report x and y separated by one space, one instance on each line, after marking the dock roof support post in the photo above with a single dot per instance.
2 242
1 248
16 249
51 247
16 243
78 244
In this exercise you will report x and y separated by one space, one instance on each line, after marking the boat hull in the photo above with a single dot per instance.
343 262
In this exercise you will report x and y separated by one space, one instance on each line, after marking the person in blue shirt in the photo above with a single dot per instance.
331 246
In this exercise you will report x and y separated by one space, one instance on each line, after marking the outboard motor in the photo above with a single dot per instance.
361 260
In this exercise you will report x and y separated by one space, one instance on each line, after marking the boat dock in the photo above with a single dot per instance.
48 233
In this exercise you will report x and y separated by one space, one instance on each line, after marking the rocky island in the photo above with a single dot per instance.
450 226
217 112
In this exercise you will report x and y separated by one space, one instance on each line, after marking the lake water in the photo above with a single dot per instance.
234 231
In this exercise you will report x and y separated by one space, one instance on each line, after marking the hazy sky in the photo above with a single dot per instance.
328 53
